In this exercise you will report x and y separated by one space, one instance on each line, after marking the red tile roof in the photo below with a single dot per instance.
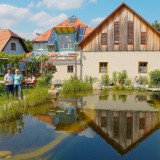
5 35
43 37
88 31
75 24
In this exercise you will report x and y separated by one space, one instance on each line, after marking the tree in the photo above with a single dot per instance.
156 25
28 44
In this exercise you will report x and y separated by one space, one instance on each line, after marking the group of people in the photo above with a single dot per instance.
13 83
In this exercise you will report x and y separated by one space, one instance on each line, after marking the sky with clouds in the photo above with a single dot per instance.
28 17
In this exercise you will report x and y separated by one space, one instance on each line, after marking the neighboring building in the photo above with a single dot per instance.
123 41
60 44
11 43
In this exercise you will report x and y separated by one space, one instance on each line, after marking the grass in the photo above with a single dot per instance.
10 109
1 78
76 85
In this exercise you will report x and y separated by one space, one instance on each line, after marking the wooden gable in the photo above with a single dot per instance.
125 30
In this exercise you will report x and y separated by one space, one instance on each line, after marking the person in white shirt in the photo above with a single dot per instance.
8 80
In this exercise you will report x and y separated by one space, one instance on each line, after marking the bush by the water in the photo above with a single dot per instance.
142 80
155 78
105 81
74 84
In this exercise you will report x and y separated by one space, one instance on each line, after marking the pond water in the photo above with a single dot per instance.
98 126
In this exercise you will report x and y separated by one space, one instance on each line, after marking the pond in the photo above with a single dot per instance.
97 126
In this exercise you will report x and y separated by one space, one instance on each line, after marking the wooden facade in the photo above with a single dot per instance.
125 31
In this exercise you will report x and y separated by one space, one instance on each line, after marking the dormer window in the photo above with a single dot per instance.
13 46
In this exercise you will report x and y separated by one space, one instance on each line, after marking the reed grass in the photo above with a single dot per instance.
11 109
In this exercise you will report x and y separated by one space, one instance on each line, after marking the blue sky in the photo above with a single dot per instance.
27 17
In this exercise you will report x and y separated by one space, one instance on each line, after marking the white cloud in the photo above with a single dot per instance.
59 4
93 1
11 15
44 19
97 20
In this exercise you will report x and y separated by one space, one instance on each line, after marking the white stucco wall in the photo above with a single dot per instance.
19 48
62 73
118 61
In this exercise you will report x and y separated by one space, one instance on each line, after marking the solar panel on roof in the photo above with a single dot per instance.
51 39
53 33
80 38
82 31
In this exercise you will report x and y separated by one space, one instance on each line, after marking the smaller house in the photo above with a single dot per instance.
11 43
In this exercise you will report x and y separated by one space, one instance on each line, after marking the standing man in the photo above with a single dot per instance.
8 80
17 83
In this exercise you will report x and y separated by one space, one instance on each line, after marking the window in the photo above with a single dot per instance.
103 67
143 37
116 127
130 32
70 69
66 41
103 38
142 68
116 32
103 121
142 123
129 127
13 46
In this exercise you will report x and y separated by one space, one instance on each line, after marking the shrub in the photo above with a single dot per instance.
155 78
114 78
121 77
127 82
142 80
74 84
105 80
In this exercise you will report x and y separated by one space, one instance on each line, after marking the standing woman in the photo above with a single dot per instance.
17 83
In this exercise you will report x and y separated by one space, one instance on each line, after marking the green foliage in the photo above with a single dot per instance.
10 59
10 109
74 84
155 78
156 25
127 82
28 44
105 81
90 79
114 78
122 76
142 80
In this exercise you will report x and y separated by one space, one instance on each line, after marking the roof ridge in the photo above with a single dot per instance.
115 10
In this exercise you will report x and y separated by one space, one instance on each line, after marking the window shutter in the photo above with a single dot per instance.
143 37
130 32
103 38
116 32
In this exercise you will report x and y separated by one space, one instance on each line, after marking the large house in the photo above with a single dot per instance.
11 43
60 44
122 41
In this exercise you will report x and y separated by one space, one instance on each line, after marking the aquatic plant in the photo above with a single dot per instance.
74 84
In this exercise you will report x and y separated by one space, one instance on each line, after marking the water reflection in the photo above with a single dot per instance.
124 121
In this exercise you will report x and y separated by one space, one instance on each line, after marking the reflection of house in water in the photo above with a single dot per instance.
120 127
65 117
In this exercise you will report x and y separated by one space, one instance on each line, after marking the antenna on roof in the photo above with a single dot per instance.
38 34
